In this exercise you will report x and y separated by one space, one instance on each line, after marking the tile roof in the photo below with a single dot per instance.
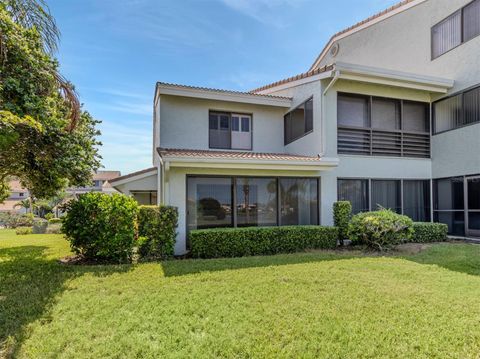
235 155
222 91
146 170
360 23
106 175
294 78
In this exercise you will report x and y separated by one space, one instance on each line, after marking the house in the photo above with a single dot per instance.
17 194
100 183
387 115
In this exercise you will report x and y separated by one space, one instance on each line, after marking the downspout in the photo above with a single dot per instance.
336 76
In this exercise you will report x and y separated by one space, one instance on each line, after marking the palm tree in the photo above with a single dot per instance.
36 14
24 204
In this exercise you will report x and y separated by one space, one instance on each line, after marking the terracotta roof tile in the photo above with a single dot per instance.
177 152
106 175
294 78
222 90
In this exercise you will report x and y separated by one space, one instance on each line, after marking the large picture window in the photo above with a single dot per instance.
449 204
377 126
460 27
372 194
230 131
457 111
298 122
251 201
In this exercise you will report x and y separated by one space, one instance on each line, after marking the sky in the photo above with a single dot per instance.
114 51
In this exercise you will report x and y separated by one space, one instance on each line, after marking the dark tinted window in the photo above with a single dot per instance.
415 117
449 194
471 20
385 114
352 110
298 122
447 34
256 201
386 194
448 114
298 201
416 200
356 192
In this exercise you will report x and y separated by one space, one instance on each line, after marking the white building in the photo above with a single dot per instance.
388 115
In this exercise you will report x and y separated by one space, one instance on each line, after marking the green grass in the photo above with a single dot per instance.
308 305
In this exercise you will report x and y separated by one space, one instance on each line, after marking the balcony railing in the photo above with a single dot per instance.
372 142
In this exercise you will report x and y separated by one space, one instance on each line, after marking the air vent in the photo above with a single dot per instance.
334 49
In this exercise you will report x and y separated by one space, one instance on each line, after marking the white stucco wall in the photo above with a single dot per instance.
184 123
148 183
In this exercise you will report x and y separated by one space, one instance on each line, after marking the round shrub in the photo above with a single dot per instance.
101 227
54 220
380 229
23 230
40 226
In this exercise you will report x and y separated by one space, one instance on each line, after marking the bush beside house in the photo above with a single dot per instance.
157 230
425 232
238 242
102 227
342 212
380 229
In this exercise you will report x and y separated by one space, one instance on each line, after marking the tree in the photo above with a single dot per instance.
38 142
25 203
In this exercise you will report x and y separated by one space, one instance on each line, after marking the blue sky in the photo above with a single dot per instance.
115 50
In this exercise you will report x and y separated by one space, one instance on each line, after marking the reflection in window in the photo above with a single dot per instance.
298 201
416 200
356 192
256 201
386 194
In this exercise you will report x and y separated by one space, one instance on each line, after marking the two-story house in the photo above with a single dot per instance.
388 115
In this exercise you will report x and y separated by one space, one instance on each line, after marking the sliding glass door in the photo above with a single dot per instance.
473 206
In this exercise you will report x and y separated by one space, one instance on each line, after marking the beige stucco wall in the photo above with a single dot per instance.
184 123
148 183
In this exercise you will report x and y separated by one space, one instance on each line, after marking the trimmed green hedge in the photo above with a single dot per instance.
249 241
157 229
425 232
342 212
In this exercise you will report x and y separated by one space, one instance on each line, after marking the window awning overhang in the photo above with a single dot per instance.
243 160
387 77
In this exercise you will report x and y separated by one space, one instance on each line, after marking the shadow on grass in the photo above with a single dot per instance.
29 283
192 266
457 257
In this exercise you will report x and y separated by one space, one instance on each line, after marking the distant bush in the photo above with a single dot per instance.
238 242
157 226
40 226
55 228
380 229
424 232
102 227
14 220
23 230
342 212
54 220
49 216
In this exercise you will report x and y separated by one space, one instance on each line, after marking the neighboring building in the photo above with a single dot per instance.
388 115
17 194
100 183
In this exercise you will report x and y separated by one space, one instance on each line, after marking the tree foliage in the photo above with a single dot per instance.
38 143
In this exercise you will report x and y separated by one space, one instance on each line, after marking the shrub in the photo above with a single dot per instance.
40 226
238 242
49 216
380 229
55 228
101 227
157 226
23 230
14 220
342 212
424 232
55 220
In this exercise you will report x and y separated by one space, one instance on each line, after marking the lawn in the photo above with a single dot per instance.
310 305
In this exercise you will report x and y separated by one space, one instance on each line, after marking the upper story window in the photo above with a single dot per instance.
378 126
298 122
456 111
456 29
230 131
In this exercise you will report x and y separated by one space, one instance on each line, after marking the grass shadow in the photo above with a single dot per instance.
192 266
29 283
457 257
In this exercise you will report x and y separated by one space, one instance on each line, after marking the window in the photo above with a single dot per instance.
447 34
416 200
369 194
230 131
21 194
256 201
456 29
251 201
376 126
457 111
298 201
449 204
356 192
386 194
298 122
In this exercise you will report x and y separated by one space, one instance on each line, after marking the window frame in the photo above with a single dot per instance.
305 133
230 113
462 30
462 93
